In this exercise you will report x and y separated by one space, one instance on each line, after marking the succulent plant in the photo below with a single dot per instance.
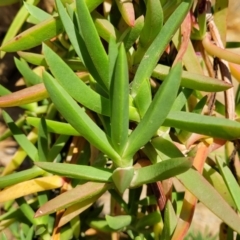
122 95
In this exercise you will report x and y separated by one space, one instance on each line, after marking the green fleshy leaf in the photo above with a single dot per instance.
160 171
77 171
21 138
16 24
153 22
93 43
34 36
148 220
76 88
166 147
57 147
30 77
112 56
170 221
77 117
104 28
36 12
54 126
7 133
163 100
230 181
207 125
144 98
122 178
199 187
119 92
193 80
152 26
43 141
27 211
132 34
33 58
69 27
159 44
100 225
17 177
216 180
118 222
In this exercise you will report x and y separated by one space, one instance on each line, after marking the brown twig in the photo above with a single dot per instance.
224 68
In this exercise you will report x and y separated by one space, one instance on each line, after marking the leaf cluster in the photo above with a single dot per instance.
115 103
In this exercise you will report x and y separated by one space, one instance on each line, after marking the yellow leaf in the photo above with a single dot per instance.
29 187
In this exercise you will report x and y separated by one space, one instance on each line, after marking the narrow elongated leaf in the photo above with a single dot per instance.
122 178
19 155
27 211
43 141
192 180
170 221
207 125
160 171
127 10
193 80
76 88
7 133
76 209
34 36
69 27
149 220
112 56
104 28
77 117
37 34
22 97
21 138
166 147
144 98
17 177
30 77
37 13
78 194
77 171
133 33
29 187
57 147
230 181
54 126
118 222
159 44
93 43
119 92
216 180
152 25
17 23
156 113
33 58
39 60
